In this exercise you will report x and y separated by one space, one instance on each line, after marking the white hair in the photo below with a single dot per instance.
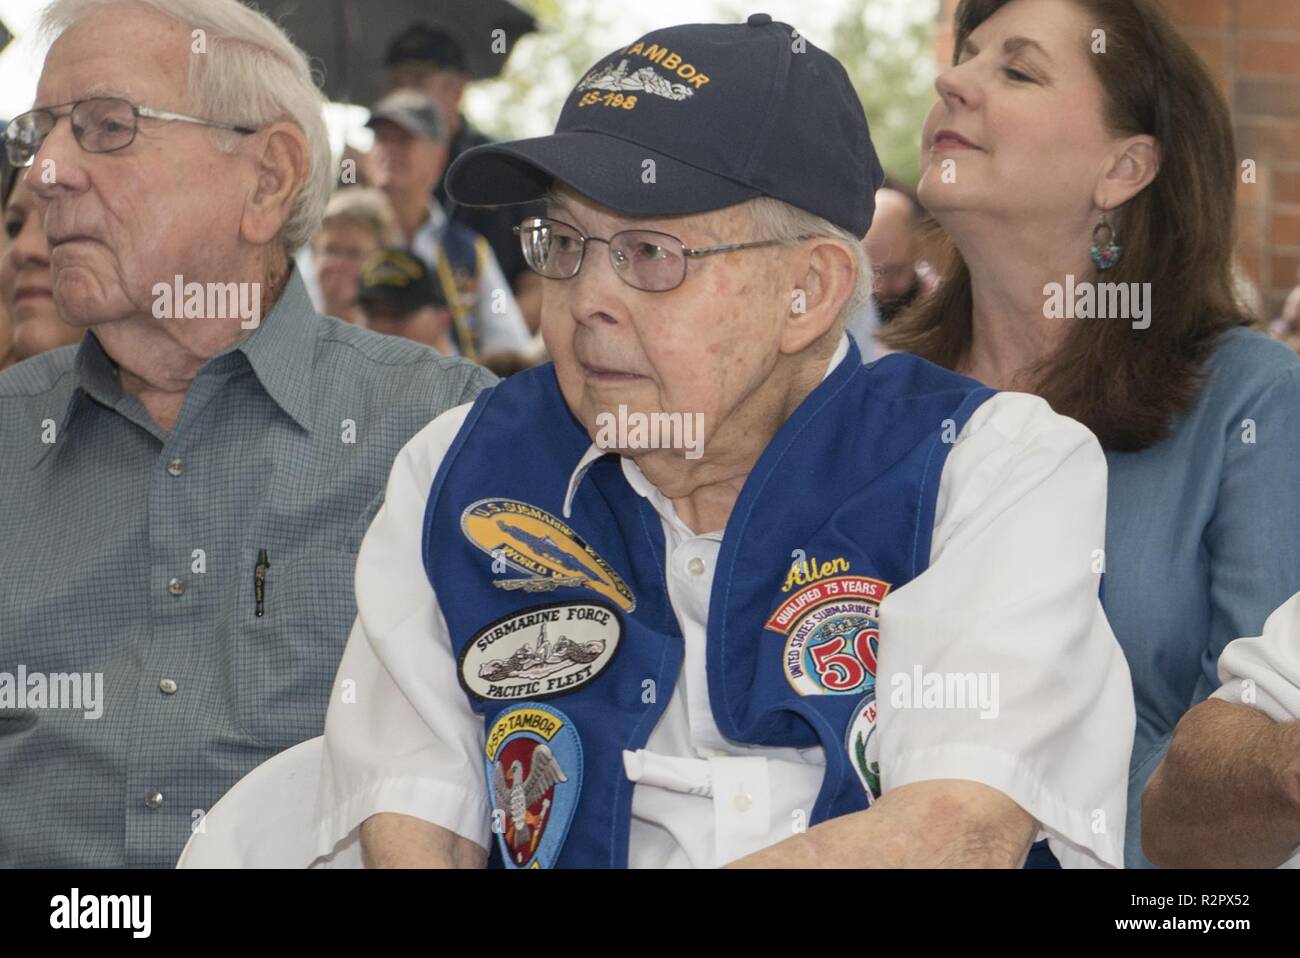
250 75
779 220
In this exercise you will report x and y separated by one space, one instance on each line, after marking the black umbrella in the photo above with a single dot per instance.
347 39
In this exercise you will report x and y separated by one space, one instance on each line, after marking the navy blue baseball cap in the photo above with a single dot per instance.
399 278
426 44
727 112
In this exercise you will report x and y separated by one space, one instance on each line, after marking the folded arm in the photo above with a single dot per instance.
933 824
1228 793
389 840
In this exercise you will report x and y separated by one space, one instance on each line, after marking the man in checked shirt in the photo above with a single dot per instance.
184 493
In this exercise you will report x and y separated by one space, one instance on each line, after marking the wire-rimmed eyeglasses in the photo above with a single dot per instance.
100 124
644 259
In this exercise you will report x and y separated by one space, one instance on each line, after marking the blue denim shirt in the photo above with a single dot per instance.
1203 540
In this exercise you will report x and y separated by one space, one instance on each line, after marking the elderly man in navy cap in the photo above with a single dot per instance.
707 589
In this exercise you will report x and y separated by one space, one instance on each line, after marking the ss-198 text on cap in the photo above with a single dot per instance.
721 113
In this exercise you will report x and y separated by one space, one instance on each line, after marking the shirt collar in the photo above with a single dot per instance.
428 235
636 478
93 374
437 220
282 350
281 358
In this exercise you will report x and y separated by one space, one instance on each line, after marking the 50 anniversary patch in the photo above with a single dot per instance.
832 632
540 652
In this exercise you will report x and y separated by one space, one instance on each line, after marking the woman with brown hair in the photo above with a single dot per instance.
358 223
1081 161
26 285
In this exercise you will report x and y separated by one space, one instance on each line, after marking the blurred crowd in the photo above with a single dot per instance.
396 255
393 253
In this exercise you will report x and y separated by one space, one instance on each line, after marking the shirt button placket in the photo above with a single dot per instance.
168 540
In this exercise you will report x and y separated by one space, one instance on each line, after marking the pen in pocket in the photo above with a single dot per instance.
259 581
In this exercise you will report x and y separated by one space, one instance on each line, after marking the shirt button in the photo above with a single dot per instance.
153 800
175 467
743 802
167 686
175 586
695 566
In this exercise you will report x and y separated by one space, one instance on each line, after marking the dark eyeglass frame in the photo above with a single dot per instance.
688 252
11 144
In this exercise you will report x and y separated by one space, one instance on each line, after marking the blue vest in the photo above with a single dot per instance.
564 636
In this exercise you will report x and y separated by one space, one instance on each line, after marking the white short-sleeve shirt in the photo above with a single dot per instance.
1011 595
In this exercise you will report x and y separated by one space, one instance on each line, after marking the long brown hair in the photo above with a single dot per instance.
1127 385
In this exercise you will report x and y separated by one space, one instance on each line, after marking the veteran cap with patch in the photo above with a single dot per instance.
694 118
400 279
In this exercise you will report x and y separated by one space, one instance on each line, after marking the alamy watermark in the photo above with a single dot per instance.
655 430
1088 300
76 911
919 689
53 690
182 300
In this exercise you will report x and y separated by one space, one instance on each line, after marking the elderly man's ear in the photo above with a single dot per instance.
820 294
280 167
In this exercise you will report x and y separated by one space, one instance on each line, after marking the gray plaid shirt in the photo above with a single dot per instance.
130 553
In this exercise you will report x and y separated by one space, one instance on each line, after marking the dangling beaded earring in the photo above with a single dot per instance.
1106 254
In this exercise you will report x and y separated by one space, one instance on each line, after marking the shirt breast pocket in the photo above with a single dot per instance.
286 658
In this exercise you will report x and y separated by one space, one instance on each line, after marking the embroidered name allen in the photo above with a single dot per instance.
669 61
810 570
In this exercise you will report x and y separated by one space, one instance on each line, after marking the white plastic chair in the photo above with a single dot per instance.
265 820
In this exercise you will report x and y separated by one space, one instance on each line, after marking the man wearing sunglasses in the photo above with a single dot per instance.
858 626
185 491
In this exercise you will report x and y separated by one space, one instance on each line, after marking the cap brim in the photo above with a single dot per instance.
380 294
601 167
398 120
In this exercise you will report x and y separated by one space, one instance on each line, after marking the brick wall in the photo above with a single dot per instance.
1253 48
